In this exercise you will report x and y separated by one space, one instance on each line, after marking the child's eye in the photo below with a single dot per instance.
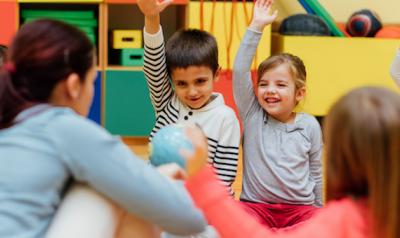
282 85
201 81
180 84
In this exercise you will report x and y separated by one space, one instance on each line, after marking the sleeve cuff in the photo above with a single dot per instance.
153 40
254 30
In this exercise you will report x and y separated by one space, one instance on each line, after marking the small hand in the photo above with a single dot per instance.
262 14
151 8
172 171
196 160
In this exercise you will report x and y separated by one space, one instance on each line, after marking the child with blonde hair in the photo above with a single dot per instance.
282 177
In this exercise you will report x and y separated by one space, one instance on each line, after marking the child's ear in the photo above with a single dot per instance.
217 74
73 86
300 93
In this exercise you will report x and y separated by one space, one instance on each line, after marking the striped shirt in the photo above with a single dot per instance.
218 121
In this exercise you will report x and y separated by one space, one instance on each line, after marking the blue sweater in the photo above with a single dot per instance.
50 145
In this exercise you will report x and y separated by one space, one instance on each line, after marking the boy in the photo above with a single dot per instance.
190 59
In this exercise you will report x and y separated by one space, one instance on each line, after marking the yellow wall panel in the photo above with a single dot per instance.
342 9
336 65
222 28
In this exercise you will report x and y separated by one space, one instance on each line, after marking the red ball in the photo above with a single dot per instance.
363 23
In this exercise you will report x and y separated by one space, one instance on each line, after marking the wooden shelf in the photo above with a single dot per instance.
60 1
124 68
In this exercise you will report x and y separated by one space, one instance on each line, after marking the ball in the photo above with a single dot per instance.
363 23
166 145
304 25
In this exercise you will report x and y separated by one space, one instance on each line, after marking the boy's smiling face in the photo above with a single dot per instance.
194 85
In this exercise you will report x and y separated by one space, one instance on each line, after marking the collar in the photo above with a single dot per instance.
30 112
287 127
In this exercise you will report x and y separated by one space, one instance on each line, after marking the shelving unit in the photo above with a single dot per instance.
127 108
121 103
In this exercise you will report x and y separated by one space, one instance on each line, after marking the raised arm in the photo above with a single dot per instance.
155 68
242 84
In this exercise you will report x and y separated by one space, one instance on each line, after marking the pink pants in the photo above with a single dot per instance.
279 215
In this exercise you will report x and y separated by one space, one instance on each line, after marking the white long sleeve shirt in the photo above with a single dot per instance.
218 121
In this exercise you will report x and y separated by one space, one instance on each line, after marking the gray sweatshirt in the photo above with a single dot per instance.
282 162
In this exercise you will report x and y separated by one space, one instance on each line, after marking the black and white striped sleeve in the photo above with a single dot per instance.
155 70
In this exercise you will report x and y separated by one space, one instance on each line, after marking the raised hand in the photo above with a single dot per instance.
152 8
262 15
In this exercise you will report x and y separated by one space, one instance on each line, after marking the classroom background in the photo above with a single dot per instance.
335 64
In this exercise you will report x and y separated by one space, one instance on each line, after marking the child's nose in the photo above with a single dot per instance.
192 91
271 90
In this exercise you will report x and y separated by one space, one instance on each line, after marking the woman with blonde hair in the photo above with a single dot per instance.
362 138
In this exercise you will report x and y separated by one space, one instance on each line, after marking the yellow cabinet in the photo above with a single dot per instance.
335 65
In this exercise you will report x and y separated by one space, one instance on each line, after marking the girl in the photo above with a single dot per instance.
282 177
46 88
362 135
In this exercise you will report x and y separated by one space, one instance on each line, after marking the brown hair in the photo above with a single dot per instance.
3 54
43 53
362 135
296 67
191 47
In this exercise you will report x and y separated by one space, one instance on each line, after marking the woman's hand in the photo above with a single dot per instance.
172 171
197 159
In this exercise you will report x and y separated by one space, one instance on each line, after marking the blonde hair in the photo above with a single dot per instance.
296 67
362 135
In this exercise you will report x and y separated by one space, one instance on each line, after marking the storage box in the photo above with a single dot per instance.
127 39
132 57
336 65
57 14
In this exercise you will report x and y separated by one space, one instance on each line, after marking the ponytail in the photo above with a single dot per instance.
11 102
42 54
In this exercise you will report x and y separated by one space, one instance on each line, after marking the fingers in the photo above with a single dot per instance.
275 14
196 136
164 4
196 160
172 171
